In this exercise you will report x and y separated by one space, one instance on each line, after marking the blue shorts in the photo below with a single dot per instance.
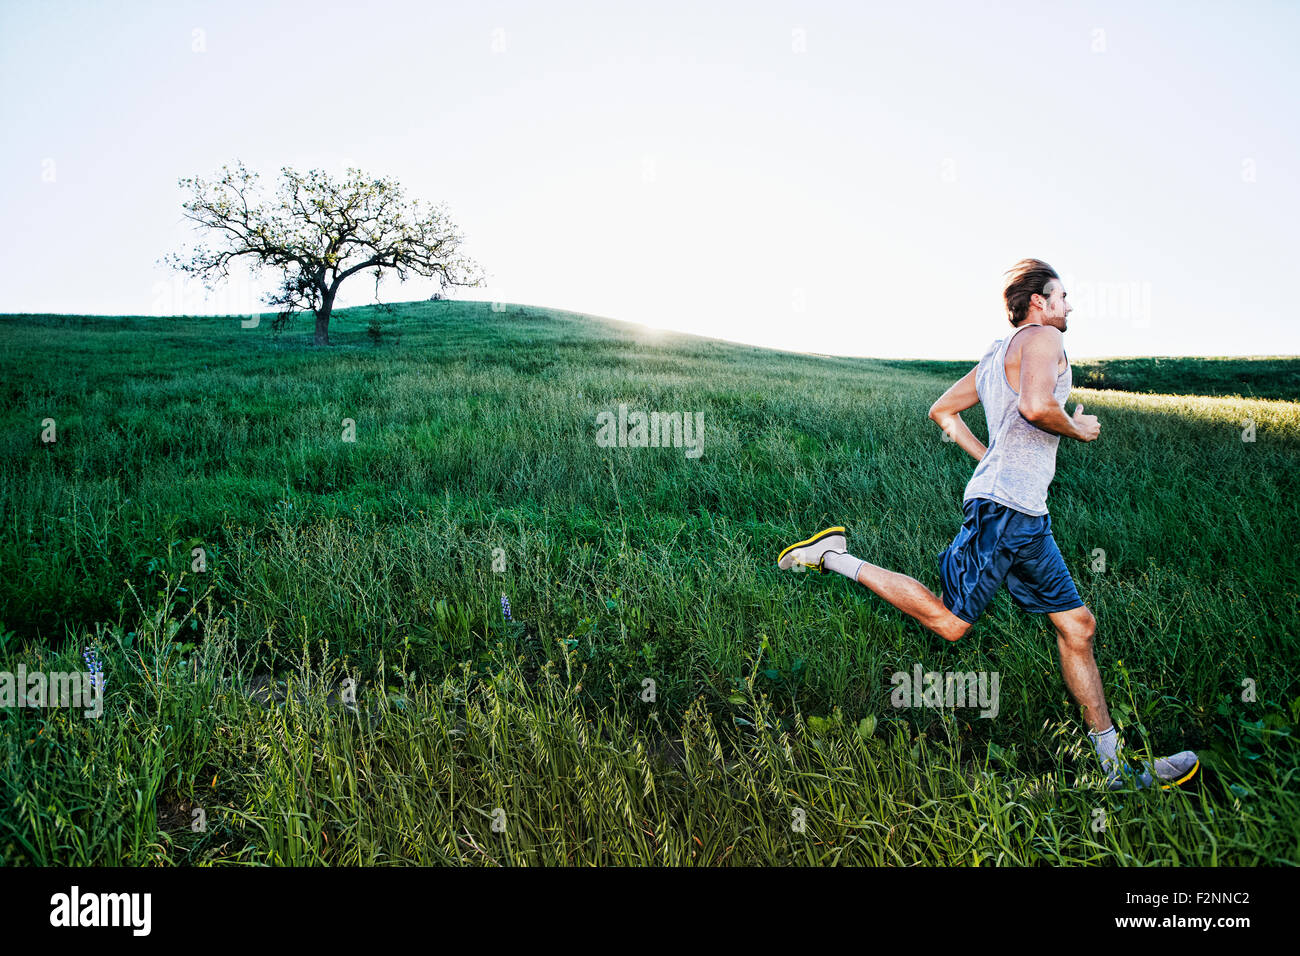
998 544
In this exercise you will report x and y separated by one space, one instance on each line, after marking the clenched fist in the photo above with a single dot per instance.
1087 426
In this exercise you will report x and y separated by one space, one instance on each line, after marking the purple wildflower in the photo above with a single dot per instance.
505 609
91 656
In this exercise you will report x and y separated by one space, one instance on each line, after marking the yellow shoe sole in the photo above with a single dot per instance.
825 533
1184 778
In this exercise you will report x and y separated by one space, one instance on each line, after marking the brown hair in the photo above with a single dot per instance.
1027 277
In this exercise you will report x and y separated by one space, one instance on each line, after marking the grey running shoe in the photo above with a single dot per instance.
807 555
1165 771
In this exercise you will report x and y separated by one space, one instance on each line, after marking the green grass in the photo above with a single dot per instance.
1263 377
770 738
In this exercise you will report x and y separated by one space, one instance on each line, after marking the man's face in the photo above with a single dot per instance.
1055 307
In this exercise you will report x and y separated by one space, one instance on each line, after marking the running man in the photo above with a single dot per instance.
1023 382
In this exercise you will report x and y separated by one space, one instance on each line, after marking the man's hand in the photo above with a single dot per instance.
1087 426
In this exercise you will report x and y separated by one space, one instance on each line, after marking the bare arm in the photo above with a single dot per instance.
1038 360
946 413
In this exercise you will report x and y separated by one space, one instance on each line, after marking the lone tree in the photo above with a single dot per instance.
317 232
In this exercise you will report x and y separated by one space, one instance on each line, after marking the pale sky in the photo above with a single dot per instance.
842 177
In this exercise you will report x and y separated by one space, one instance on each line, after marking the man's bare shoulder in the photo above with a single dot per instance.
1043 338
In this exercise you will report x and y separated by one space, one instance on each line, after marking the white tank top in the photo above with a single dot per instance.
1021 459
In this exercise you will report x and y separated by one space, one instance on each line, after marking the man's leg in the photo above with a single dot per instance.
1040 580
1074 633
907 594
828 551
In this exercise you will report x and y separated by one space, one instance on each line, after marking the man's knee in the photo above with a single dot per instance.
952 628
1077 628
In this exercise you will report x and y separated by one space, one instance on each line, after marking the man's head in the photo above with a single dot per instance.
1034 293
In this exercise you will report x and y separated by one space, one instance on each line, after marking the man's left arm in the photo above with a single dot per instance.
946 413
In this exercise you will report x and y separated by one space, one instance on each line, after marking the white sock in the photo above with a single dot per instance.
1105 743
841 562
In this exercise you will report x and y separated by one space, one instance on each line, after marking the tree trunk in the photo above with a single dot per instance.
323 319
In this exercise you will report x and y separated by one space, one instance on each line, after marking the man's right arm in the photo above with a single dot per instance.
1039 357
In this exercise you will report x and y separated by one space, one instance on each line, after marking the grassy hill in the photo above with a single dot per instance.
1276 377
663 693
